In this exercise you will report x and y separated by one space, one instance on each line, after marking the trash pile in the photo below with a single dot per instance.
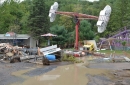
18 54
112 58
15 53
52 53
73 53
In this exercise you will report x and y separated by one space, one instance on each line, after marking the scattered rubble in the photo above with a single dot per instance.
17 54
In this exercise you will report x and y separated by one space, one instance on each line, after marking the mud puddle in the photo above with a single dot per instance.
35 70
72 74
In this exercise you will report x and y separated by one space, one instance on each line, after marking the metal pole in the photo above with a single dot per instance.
77 35
48 42
110 45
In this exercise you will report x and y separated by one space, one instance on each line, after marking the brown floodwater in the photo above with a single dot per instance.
64 74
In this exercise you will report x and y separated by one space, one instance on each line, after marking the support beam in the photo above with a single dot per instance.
77 35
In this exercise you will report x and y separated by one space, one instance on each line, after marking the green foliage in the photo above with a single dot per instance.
85 31
120 16
67 22
122 12
123 43
31 16
97 38
11 15
25 6
71 58
61 33
68 58
71 37
38 20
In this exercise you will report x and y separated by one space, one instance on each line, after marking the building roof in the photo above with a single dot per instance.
18 36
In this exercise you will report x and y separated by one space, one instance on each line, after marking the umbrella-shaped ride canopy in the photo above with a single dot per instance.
48 35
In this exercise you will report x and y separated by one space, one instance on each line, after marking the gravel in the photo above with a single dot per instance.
6 70
99 80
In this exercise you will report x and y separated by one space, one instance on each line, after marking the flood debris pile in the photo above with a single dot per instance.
9 52
52 53
17 54
73 56
108 58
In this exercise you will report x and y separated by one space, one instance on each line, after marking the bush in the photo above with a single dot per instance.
124 43
71 58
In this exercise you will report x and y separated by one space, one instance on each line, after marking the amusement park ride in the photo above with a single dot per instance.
101 23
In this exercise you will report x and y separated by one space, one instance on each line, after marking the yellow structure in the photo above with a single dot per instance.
89 47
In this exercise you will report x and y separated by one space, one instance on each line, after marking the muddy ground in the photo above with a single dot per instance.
64 73
8 76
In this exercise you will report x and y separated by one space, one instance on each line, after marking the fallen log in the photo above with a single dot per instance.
27 57
15 59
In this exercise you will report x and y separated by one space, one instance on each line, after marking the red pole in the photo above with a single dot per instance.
77 35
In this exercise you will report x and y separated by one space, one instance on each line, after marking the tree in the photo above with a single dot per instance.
123 11
123 44
31 16
25 8
120 16
38 19
67 22
11 15
85 32
17 14
61 33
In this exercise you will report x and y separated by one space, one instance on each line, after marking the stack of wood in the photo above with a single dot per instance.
9 52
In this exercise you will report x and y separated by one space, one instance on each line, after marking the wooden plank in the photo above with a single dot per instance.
127 59
28 57
49 50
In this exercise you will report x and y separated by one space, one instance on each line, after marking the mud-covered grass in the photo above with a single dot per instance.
115 51
71 58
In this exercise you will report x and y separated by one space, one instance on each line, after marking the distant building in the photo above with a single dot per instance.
19 39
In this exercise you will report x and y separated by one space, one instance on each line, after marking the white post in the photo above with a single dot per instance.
110 45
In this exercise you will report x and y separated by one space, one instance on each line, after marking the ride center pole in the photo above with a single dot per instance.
77 35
